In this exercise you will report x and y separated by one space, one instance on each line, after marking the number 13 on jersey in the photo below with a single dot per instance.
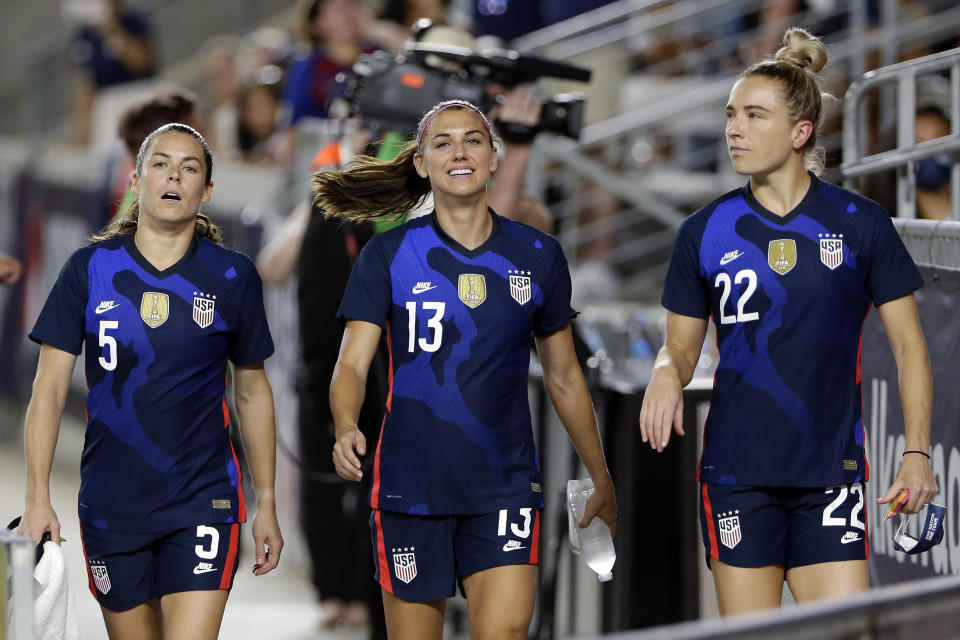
434 328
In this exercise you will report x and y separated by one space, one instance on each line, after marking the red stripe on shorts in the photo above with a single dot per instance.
866 527
711 528
535 540
384 568
93 588
226 578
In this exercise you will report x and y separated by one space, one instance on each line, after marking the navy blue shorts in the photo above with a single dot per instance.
423 558
759 526
127 569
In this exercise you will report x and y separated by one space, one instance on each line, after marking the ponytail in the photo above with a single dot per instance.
371 189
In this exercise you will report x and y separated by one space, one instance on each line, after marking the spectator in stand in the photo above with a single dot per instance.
333 30
222 86
259 107
933 174
10 269
112 45
508 20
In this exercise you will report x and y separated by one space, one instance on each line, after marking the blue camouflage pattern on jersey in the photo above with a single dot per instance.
457 436
788 296
157 454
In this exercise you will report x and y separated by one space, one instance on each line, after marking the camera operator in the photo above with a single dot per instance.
517 109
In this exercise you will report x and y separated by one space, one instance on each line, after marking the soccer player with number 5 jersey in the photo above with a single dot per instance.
159 307
788 267
456 489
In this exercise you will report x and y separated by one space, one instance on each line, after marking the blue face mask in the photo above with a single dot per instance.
930 534
933 173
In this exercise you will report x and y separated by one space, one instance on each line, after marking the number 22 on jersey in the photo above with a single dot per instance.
723 282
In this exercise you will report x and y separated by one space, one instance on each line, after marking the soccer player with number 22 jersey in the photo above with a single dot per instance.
788 267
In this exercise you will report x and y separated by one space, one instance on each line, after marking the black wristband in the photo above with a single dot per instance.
923 453
515 132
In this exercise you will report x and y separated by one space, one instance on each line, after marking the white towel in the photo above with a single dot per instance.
54 609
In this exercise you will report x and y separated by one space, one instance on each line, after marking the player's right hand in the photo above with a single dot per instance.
37 519
349 445
662 408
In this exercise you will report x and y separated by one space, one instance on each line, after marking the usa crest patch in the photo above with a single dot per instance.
831 249
203 304
729 527
520 286
404 564
98 570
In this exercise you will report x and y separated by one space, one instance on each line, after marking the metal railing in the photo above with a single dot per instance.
16 586
904 76
931 242
928 609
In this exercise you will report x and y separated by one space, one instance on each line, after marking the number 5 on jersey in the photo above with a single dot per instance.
434 328
109 344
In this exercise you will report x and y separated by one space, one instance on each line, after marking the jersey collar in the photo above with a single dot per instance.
131 248
763 212
459 248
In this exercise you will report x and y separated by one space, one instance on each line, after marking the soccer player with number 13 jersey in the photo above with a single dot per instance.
456 490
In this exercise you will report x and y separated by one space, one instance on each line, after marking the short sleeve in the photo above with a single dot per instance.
555 313
684 291
369 293
251 341
61 322
893 273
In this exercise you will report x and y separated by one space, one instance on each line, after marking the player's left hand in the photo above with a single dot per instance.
267 540
916 475
602 504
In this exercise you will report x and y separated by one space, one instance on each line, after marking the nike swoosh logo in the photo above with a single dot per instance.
198 570
846 540
730 258
105 306
513 546
418 289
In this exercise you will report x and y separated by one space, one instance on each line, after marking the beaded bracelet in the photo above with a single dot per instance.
923 453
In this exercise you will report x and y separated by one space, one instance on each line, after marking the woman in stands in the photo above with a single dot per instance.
159 307
456 490
788 266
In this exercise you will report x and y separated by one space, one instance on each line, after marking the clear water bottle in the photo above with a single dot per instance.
594 541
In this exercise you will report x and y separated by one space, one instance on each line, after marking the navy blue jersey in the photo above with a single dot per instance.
157 454
457 437
789 296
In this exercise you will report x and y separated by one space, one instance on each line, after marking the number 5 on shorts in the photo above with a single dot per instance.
203 532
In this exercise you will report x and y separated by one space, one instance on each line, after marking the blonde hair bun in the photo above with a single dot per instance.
802 50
